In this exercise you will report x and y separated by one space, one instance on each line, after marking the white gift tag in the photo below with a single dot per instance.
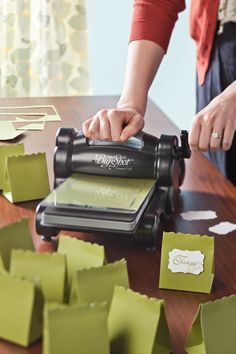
184 261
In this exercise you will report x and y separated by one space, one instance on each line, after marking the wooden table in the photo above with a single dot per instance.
204 188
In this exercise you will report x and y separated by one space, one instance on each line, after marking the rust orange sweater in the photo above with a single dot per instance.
154 20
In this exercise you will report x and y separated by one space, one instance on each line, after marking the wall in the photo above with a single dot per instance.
173 89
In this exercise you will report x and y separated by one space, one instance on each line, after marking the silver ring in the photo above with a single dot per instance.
217 135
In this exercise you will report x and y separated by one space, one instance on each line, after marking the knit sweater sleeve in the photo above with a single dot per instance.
154 20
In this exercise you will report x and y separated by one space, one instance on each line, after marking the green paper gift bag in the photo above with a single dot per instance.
80 329
15 236
5 151
187 262
50 268
26 178
97 284
80 254
137 324
21 307
214 328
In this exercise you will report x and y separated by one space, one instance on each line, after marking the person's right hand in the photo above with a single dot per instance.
117 124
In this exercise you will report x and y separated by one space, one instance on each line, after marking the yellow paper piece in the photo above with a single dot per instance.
80 254
32 126
27 111
8 131
75 329
26 178
21 306
5 151
50 268
14 236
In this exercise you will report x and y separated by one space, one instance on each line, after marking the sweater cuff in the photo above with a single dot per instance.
155 20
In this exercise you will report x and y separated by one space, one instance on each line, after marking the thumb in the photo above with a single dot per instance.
133 127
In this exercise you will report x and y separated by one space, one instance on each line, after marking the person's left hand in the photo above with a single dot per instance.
215 125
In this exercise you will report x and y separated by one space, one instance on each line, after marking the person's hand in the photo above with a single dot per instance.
117 124
215 125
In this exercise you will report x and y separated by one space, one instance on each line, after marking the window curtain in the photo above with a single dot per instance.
43 48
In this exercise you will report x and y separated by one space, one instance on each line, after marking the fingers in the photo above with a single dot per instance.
113 124
215 125
228 135
135 125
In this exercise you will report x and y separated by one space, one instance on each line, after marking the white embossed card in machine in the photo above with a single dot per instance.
184 261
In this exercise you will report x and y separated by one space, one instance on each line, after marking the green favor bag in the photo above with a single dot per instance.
26 178
214 329
80 254
187 262
97 284
21 307
49 267
15 236
137 324
76 329
5 151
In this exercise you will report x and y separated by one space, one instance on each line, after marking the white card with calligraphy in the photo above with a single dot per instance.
184 261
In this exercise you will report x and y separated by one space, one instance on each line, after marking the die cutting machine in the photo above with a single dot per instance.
113 187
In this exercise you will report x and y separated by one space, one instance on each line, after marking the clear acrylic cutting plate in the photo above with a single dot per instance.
99 192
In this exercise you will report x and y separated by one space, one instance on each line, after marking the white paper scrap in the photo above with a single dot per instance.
199 215
223 228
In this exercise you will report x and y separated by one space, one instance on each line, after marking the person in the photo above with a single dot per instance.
213 27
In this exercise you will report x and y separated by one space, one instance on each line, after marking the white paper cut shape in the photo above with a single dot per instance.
184 261
223 228
199 215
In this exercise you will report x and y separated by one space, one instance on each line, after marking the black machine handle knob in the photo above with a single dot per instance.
184 149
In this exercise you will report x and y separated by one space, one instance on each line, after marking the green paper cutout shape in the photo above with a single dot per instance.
14 236
50 268
80 254
32 126
186 281
213 330
8 131
5 152
75 329
21 307
137 324
97 284
2 268
26 178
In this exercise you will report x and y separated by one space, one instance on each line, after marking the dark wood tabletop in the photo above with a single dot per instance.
204 188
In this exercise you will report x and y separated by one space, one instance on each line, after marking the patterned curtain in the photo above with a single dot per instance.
43 48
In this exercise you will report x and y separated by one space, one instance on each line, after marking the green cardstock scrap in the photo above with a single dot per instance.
75 329
80 254
201 282
14 236
21 307
26 178
5 151
8 131
97 284
137 324
50 268
32 126
2 268
213 330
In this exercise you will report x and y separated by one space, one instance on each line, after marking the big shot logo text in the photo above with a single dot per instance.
117 162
